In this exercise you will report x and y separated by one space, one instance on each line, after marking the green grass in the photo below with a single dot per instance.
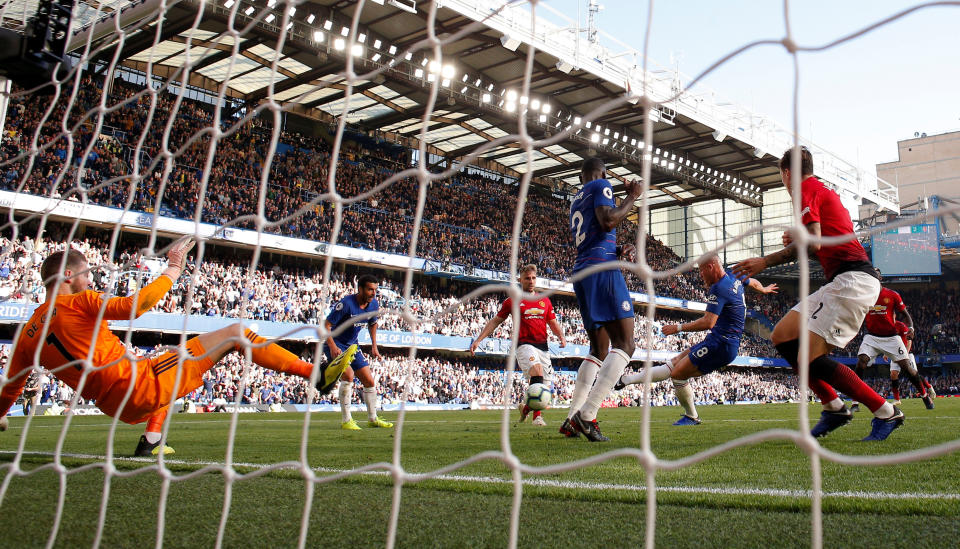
726 501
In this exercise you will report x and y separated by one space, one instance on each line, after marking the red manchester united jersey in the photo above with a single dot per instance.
534 314
881 319
902 331
819 204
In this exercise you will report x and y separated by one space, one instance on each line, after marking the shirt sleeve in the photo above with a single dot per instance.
336 314
899 304
374 307
603 195
714 301
810 208
119 308
505 307
549 314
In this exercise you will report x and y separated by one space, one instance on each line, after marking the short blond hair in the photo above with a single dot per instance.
527 268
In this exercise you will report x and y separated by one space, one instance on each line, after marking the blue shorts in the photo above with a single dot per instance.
713 353
359 359
603 297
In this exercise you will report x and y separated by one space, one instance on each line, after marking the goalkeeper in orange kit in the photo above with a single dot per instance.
64 336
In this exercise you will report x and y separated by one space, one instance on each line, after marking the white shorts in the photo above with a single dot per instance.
838 308
528 355
894 367
891 346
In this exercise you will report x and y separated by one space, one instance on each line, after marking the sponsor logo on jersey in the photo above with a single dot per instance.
533 311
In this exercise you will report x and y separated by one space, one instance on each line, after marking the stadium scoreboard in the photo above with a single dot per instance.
913 250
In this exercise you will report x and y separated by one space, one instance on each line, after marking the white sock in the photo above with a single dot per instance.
684 394
370 399
834 405
884 412
346 394
659 372
152 437
610 372
586 375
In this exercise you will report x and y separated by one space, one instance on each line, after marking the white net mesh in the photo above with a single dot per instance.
124 143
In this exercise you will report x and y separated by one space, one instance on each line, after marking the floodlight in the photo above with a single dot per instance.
448 71
486 98
511 107
327 25
292 11
392 50
249 10
718 135
357 49
595 138
317 36
509 42
418 73
545 109
311 18
376 57
270 18
377 43
564 67
229 4
345 31
362 38
339 44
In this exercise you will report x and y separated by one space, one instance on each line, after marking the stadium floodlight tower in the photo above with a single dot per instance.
35 57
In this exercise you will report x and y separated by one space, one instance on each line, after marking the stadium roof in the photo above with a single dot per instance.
702 148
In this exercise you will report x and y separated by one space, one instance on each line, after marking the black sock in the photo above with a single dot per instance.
536 379
789 351
823 367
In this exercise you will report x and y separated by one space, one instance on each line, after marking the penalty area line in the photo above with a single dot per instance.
550 483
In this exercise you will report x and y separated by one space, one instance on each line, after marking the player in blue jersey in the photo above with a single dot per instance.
724 319
605 303
364 302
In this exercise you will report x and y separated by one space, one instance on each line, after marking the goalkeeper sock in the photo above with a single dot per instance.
684 394
370 399
155 426
659 372
346 394
586 375
610 372
275 357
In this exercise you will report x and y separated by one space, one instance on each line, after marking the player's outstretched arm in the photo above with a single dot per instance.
753 266
756 286
119 308
488 329
702 324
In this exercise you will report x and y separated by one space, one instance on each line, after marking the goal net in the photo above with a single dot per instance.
317 131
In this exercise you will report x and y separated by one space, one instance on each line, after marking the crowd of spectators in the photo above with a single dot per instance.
229 289
468 218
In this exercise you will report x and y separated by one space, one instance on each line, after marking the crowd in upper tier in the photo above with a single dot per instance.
467 220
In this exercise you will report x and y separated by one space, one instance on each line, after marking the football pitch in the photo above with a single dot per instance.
751 496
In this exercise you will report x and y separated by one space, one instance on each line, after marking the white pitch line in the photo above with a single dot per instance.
563 484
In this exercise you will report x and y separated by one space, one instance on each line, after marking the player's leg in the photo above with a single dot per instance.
149 443
599 344
541 371
362 371
909 367
659 372
836 313
683 372
895 382
345 394
622 348
862 361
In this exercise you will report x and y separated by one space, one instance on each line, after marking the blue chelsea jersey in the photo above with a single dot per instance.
726 301
594 245
343 312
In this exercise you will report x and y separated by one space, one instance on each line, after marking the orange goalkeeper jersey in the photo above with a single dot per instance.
73 333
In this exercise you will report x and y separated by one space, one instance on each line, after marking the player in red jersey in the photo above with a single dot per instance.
836 310
533 355
884 338
68 335
907 335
